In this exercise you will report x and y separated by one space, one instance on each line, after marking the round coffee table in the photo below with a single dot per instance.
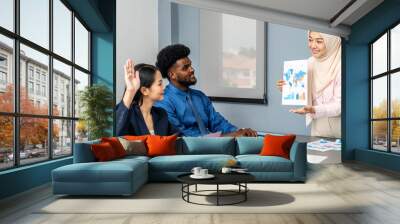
238 179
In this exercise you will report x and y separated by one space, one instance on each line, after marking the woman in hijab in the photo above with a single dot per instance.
324 71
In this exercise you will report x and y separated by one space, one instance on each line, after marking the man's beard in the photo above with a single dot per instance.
187 83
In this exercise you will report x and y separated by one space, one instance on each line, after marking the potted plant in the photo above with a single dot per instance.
96 104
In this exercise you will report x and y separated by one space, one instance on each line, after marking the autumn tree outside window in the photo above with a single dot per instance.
385 91
44 64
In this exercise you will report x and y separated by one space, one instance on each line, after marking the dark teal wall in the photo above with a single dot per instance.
93 13
103 51
102 58
24 178
379 159
356 97
103 63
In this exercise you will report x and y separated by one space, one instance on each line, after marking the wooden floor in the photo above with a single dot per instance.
377 188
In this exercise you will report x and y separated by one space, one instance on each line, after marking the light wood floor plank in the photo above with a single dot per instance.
376 190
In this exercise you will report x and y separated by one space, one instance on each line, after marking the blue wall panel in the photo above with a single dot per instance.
24 178
102 58
357 83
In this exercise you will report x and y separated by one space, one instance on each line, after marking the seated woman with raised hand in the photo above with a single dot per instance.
135 113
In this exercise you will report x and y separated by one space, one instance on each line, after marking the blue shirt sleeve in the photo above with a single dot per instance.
216 121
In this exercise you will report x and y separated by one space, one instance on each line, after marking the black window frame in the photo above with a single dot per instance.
388 74
16 115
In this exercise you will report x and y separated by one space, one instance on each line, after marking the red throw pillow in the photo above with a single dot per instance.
134 138
103 152
116 145
161 145
275 145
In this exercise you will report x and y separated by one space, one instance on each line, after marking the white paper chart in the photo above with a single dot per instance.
295 76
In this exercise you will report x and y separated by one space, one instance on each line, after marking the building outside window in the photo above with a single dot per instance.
37 75
43 90
385 94
30 87
30 72
3 78
3 71
59 128
43 77
38 89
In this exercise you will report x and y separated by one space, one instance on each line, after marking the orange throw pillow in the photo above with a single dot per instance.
103 152
161 145
116 145
275 145
135 138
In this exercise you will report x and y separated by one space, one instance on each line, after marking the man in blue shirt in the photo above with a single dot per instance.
190 110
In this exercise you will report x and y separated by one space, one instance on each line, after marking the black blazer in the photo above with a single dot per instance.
131 122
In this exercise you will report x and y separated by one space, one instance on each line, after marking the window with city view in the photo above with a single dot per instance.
385 94
232 56
239 53
44 65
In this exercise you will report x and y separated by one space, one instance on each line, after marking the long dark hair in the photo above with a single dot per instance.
147 74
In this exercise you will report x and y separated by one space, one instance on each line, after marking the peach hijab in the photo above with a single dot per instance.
324 70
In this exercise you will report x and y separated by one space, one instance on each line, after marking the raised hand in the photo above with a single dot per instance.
132 79
132 82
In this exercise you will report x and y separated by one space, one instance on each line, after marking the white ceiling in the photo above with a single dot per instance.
320 9
317 15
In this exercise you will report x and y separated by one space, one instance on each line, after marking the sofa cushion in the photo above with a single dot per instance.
134 157
116 145
249 145
135 137
83 152
161 145
185 163
132 161
257 163
112 171
93 172
103 152
134 147
275 145
208 145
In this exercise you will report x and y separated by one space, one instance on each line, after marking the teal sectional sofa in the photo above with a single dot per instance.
125 176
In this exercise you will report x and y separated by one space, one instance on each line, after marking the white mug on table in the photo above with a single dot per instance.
203 172
226 170
196 171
